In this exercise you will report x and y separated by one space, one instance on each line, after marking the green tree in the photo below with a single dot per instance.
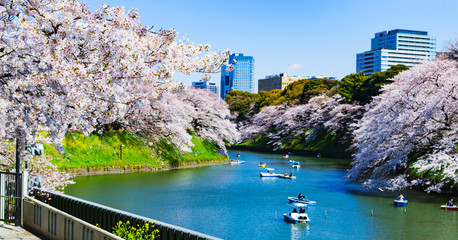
269 98
241 102
350 83
316 87
361 88
374 82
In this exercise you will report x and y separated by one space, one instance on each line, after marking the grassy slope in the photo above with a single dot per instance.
103 151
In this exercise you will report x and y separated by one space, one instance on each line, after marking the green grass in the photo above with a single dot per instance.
116 148
111 149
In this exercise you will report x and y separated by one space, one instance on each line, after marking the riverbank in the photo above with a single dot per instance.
94 171
116 152
305 153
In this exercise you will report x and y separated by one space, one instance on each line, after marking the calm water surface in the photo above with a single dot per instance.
233 202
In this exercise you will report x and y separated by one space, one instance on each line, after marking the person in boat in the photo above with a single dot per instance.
294 211
290 174
450 202
300 197
286 174
401 197
238 155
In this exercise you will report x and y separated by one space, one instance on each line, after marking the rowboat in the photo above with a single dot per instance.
306 201
269 173
287 176
402 202
449 208
261 164
236 161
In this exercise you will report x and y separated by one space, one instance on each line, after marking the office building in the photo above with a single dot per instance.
280 81
241 78
399 46
200 84
213 87
206 85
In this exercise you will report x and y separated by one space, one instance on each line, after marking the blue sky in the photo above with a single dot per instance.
308 37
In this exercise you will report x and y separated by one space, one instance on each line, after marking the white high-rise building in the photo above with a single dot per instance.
399 46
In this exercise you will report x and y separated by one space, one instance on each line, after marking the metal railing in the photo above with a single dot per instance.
107 217
10 197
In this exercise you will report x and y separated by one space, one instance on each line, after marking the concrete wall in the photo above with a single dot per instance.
52 223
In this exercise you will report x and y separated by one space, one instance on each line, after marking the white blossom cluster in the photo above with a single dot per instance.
417 113
64 68
283 122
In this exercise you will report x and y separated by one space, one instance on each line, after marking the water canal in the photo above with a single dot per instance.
233 202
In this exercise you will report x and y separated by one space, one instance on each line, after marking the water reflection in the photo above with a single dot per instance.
299 230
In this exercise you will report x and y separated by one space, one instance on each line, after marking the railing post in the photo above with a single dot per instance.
2 194
24 192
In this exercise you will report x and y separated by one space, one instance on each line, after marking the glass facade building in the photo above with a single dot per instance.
213 87
206 85
399 46
241 78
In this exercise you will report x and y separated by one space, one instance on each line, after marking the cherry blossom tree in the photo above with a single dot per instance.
281 123
65 68
210 116
263 121
409 135
175 115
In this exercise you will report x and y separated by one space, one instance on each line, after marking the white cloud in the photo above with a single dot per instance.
294 67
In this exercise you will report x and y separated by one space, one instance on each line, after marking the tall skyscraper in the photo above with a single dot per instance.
399 46
241 78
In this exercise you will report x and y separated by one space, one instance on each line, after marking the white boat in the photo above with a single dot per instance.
236 161
269 173
288 176
305 201
449 208
291 161
296 216
296 165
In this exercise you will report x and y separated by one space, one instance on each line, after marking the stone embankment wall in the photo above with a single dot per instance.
91 171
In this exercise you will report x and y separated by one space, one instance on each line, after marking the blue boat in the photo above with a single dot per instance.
402 202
